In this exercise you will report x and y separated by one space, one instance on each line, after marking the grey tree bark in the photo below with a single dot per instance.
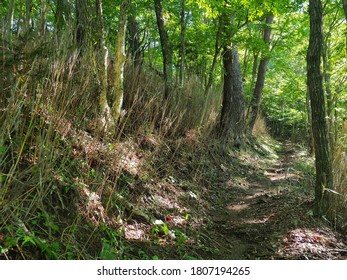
324 175
104 117
82 37
120 61
231 126
43 6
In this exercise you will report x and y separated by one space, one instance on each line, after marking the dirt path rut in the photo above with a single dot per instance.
259 214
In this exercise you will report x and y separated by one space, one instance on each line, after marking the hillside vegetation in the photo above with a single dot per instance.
164 192
120 142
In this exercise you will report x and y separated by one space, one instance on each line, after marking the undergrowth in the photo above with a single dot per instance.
67 193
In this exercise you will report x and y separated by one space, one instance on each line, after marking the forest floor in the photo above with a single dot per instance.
271 217
149 198
258 205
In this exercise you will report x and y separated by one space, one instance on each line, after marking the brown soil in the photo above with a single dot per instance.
190 200
270 217
254 209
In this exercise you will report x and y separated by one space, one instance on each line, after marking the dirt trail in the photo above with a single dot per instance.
264 214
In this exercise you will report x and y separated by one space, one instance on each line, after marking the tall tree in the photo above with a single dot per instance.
259 85
135 46
82 24
28 8
10 21
182 41
324 175
231 126
62 15
165 46
104 116
119 61
43 6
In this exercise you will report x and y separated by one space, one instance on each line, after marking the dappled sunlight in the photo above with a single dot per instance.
137 231
238 207
281 175
311 243
238 182
258 220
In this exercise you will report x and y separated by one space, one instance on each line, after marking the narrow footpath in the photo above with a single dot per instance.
265 213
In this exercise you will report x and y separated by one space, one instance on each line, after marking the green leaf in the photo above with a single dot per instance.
3 178
28 239
165 229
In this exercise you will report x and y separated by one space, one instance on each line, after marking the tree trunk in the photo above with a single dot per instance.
120 61
310 140
165 46
134 41
237 113
10 21
231 126
43 6
82 39
251 86
254 69
259 85
28 8
324 176
182 42
104 118
225 119
62 15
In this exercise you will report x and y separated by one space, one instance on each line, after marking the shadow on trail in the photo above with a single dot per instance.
267 214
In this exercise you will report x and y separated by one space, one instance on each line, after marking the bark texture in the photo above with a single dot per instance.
324 176
231 126
82 24
119 62
43 6
105 120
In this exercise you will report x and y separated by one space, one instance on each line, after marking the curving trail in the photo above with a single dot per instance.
265 213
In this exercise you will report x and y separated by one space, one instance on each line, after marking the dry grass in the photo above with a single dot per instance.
55 177
64 191
145 111
260 128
